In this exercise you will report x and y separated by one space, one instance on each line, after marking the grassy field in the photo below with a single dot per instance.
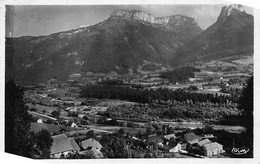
41 108
53 129
113 103
116 128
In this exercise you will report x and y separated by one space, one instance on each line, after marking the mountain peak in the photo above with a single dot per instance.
230 10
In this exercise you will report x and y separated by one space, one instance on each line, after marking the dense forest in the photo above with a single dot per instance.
147 96
180 74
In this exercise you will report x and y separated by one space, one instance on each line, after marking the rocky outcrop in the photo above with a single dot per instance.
146 17
230 10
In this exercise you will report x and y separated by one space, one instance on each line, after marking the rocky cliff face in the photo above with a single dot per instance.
230 10
146 17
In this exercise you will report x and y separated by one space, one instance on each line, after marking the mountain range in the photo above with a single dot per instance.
231 35
127 41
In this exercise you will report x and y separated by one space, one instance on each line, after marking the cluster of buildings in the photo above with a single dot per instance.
63 146
200 146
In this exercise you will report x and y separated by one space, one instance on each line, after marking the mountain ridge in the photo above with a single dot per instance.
146 17
114 44
122 42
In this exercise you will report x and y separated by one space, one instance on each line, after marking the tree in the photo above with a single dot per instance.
121 132
42 143
114 146
102 120
90 134
17 122
33 109
246 105
149 130
208 130
172 141
55 113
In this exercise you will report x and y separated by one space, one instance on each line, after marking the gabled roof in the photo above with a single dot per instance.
60 144
212 145
190 137
193 141
91 143
74 144
169 136
169 147
204 142
178 144
154 138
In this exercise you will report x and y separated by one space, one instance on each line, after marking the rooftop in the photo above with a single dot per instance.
60 144
204 142
190 137
212 145
91 143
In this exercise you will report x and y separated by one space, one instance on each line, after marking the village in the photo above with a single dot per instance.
70 139
79 126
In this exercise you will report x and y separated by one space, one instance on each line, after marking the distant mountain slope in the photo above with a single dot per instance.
120 43
232 34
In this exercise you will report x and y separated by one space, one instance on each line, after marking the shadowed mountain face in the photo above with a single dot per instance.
231 35
126 40
120 43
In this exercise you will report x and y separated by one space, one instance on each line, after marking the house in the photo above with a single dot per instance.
91 143
169 136
72 124
191 138
154 139
208 136
74 144
60 146
176 148
203 142
213 148
39 121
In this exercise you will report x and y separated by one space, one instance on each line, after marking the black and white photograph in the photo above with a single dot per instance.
123 81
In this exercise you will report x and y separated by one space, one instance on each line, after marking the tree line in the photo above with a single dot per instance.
147 96
180 74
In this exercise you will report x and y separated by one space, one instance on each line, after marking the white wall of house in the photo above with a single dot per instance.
175 149
214 151
58 155
74 125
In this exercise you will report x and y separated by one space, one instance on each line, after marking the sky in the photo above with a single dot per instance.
22 20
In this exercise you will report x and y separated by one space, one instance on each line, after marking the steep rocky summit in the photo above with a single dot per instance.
231 35
230 10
